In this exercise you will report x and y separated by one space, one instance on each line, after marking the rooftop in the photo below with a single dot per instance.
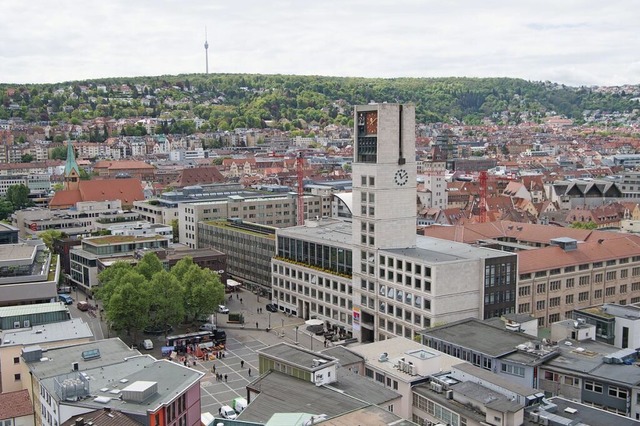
36 308
54 332
296 355
120 239
476 335
330 230
577 413
279 393
17 254
15 404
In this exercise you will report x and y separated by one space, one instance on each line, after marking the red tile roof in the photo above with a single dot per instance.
125 190
199 175
15 404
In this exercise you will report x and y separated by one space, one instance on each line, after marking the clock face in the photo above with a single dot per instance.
371 123
401 177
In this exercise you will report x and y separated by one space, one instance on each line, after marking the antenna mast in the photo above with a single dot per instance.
206 50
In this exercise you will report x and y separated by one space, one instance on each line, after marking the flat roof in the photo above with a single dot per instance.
330 230
112 351
53 332
437 250
297 356
363 388
479 336
343 355
36 308
17 254
585 414
281 393
369 415
495 379
118 239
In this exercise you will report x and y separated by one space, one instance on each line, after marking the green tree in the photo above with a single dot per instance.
584 225
6 208
58 153
175 226
203 291
26 158
18 196
167 305
149 265
84 175
128 307
49 236
110 279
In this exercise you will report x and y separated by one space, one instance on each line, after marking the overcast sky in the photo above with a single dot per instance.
575 42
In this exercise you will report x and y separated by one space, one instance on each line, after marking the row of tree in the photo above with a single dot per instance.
148 296
17 198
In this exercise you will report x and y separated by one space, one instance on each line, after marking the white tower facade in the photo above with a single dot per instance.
384 177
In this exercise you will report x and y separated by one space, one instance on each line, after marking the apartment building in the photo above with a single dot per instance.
36 183
249 248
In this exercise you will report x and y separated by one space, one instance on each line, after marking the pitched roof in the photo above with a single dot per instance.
198 176
71 164
122 165
125 190
15 404
593 251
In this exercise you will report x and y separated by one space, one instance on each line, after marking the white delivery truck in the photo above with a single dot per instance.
239 404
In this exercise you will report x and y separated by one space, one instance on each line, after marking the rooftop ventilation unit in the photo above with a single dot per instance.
383 357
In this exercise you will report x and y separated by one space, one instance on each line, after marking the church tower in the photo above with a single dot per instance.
71 170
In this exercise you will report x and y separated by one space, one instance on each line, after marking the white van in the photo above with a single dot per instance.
228 412
147 344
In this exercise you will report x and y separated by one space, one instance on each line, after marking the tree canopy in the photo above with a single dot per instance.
146 295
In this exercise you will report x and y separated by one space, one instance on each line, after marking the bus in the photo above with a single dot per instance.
181 341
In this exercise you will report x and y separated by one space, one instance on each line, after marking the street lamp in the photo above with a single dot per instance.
296 334
282 319
311 336
269 320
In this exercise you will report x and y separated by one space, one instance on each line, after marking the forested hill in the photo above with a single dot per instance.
248 100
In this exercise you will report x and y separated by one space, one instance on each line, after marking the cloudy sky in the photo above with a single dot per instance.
574 42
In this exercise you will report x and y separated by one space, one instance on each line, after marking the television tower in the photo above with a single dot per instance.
206 50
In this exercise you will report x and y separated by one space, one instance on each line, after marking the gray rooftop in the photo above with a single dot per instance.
478 336
343 355
332 230
47 333
490 399
282 393
112 351
495 379
587 357
36 308
437 250
360 387
586 415
17 254
296 356
369 415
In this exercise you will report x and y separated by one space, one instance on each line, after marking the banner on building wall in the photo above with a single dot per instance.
356 319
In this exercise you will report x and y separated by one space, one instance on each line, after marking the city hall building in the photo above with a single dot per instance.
374 278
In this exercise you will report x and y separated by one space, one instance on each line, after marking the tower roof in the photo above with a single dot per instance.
71 161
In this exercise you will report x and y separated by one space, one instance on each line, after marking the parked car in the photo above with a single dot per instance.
208 327
83 306
271 307
65 298
228 412
147 344
223 309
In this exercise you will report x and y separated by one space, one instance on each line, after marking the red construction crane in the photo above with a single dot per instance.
300 175
482 206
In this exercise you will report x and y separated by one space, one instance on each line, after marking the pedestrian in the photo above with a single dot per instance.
230 297
225 378
256 325
249 372
194 362
213 368
237 296
241 363
241 300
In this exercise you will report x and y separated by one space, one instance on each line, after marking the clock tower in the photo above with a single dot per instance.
384 177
